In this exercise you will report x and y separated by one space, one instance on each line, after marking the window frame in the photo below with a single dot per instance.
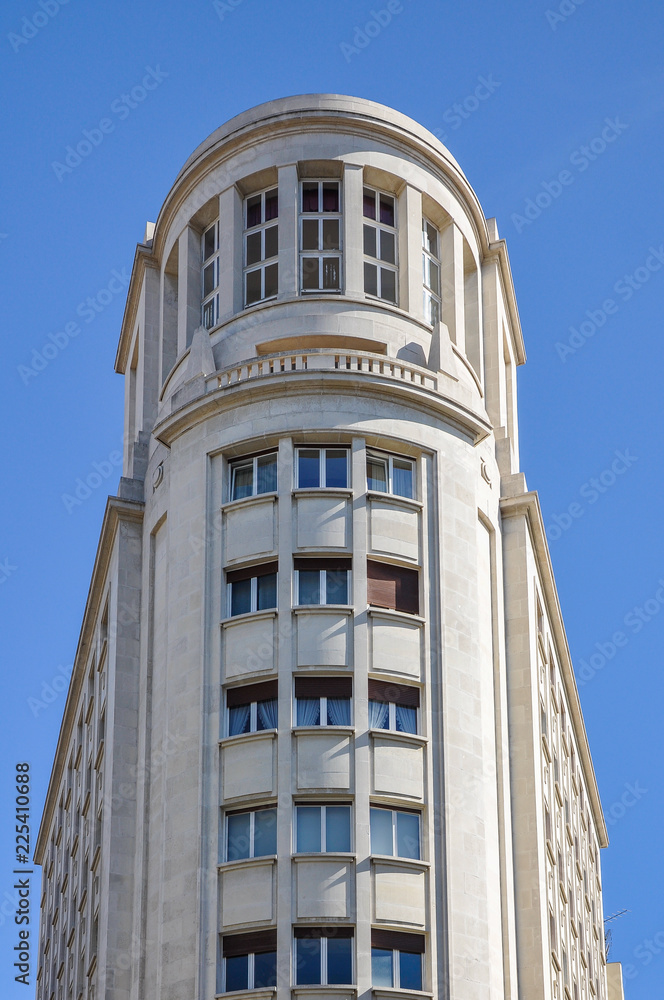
250 954
211 299
306 688
320 254
264 263
253 690
377 262
394 694
322 477
431 298
251 812
406 597
395 811
389 458
235 463
398 942
341 932
238 576
336 566
322 807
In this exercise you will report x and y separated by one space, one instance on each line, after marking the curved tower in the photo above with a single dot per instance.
323 737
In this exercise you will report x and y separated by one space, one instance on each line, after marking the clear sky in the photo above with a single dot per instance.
555 113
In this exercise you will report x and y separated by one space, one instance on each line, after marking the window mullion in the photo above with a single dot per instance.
323 829
321 469
323 710
323 586
323 961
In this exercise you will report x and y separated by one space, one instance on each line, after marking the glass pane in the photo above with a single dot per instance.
339 960
253 252
210 313
271 280
237 973
308 591
330 196
406 718
310 197
402 477
331 234
266 714
240 597
310 280
254 292
210 242
271 242
330 273
370 241
237 844
381 831
388 285
376 473
371 279
265 969
336 468
308 467
209 282
254 211
381 967
239 720
379 715
387 247
408 835
265 832
308 711
310 234
434 277
307 961
308 829
267 591
266 468
410 971
369 204
338 711
430 238
336 586
271 204
242 478
386 210
337 828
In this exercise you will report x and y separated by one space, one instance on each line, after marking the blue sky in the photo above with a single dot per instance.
564 146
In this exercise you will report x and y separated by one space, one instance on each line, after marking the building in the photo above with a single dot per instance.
323 738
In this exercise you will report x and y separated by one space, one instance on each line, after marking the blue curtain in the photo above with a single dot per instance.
308 711
378 714
239 720
406 719
267 714
338 711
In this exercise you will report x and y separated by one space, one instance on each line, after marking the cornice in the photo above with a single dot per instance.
143 259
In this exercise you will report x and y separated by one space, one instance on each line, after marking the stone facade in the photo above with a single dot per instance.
323 737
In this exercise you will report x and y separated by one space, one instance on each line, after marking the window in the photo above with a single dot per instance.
395 832
380 245
393 706
322 467
251 476
252 708
431 272
396 959
320 237
390 474
323 701
252 589
251 834
322 581
261 247
392 587
250 961
323 956
321 828
210 275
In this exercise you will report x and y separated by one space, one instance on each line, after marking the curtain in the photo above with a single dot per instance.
267 714
338 711
239 720
402 478
378 714
406 719
308 711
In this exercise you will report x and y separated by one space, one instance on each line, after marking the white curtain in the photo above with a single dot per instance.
308 711
338 711
378 714
267 714
239 720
